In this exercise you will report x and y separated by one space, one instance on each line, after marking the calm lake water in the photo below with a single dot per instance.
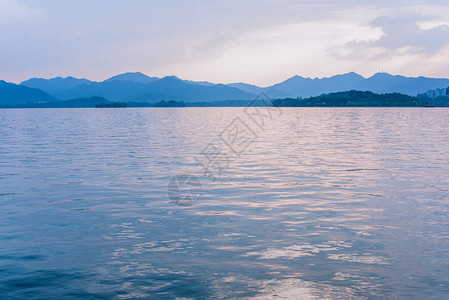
324 203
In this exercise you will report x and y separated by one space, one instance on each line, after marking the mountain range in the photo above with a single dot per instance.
167 88
12 94
138 87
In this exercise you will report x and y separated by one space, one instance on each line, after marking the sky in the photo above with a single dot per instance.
259 42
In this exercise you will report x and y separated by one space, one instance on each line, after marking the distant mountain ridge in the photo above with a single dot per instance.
386 83
54 85
138 87
13 94
254 89
298 86
167 88
132 76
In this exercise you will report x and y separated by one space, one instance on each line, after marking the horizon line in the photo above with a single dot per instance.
215 83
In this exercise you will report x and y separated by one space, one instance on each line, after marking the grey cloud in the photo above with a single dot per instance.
400 32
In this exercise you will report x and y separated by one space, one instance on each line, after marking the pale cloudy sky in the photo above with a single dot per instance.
260 42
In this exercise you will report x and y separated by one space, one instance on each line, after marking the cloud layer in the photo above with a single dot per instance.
259 42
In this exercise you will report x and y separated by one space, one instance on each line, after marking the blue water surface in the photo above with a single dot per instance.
322 203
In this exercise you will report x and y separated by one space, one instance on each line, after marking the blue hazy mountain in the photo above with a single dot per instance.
13 94
298 86
177 89
174 88
386 83
254 89
54 85
114 90
142 78
133 77
205 83
249 88
135 87
167 88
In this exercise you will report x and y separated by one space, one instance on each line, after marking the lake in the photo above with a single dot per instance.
208 203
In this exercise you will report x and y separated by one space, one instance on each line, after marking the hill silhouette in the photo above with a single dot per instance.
54 85
167 88
133 77
298 86
352 99
138 87
12 94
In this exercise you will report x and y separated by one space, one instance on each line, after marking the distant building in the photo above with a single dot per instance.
437 93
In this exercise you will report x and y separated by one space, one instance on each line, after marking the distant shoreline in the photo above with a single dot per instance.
339 99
